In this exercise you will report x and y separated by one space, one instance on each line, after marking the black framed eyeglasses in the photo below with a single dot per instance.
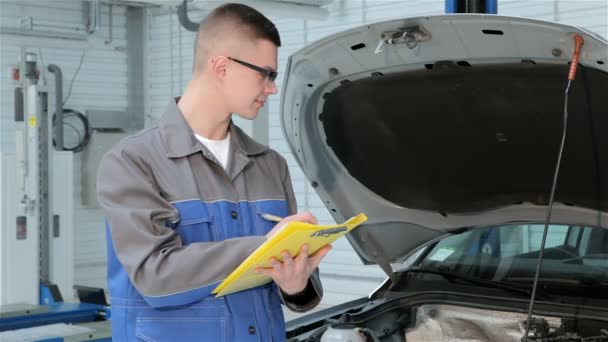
267 73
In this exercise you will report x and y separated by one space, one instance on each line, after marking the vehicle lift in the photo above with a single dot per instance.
38 216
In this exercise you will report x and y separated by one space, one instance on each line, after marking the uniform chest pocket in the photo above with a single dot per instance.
195 224
276 208
197 229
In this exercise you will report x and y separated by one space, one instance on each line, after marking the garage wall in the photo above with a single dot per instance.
170 59
58 35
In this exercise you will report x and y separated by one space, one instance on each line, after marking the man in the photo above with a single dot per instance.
184 201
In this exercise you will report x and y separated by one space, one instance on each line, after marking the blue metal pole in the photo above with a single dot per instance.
491 6
451 6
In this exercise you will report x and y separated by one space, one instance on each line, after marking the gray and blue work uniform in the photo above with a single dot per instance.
178 223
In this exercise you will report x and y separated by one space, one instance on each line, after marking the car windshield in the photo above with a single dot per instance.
574 255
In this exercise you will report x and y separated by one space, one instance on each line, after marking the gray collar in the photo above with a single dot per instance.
179 140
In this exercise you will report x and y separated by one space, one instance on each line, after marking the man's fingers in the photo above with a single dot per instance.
265 271
302 217
303 255
276 228
287 259
306 217
316 258
311 218
302 258
276 264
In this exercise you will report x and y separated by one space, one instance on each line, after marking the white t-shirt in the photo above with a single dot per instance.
219 148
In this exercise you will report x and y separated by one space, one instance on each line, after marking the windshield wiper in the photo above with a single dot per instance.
589 280
450 276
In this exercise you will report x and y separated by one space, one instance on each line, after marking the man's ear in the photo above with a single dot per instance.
219 66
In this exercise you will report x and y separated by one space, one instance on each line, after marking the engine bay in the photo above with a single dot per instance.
447 322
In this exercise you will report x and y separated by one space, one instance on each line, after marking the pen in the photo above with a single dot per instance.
271 217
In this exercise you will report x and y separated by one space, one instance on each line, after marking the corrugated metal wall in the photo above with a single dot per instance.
170 60
101 84
169 55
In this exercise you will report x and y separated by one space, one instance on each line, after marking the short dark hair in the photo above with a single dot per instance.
251 23
259 25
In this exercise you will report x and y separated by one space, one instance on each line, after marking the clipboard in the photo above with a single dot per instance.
290 238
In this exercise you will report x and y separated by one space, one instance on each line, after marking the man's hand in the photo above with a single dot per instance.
292 274
306 217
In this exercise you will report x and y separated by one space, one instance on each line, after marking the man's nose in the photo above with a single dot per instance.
271 87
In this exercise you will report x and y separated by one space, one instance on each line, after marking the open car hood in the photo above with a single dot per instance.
452 124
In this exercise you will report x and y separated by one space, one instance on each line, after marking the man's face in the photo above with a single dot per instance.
249 82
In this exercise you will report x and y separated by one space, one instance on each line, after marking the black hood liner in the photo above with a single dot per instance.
456 138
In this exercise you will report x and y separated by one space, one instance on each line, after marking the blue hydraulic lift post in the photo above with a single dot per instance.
490 241
451 6
492 6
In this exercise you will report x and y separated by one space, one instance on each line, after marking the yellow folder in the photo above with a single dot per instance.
289 238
